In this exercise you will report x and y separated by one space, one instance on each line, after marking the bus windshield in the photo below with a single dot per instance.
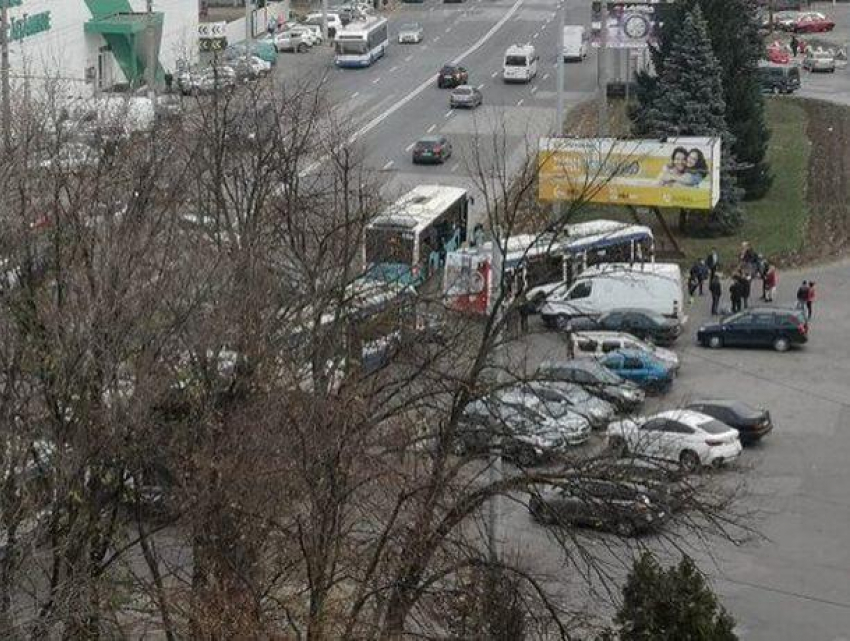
350 47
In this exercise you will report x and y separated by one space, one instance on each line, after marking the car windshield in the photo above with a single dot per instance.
427 143
604 375
515 61
446 71
463 91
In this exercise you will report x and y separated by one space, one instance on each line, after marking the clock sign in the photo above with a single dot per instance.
636 26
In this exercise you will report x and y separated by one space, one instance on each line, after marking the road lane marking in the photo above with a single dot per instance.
448 29
536 35
481 86
494 74
408 58
449 113
410 146
377 120
545 75
376 80
534 89
521 100
388 165
355 94
436 39
431 128
455 167
393 68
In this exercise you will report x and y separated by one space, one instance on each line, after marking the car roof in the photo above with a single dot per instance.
605 334
451 65
464 88
688 417
632 310
431 138
629 351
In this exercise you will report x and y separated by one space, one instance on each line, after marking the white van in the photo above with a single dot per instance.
520 64
575 43
603 288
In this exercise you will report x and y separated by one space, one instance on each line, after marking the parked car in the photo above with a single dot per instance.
608 505
819 60
691 438
334 22
575 427
526 436
778 54
288 40
310 33
249 69
465 96
451 76
208 80
432 149
665 480
410 33
812 22
596 411
757 327
778 78
642 323
263 49
598 343
785 19
751 422
640 368
595 378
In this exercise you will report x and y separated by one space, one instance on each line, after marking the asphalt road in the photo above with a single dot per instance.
396 100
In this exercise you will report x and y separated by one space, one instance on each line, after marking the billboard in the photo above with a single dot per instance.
682 173
631 25
466 281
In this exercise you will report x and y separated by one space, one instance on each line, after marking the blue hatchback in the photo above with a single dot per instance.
639 367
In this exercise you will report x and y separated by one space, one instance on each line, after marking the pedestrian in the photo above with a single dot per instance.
712 261
746 282
568 336
810 299
803 296
272 26
526 308
716 291
702 275
764 267
771 280
795 45
735 294
692 286
168 77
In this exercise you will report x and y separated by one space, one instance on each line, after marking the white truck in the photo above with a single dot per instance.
575 43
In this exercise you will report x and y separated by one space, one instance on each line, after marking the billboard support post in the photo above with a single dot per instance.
602 70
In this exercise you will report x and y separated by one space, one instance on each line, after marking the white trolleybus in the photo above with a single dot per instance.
361 42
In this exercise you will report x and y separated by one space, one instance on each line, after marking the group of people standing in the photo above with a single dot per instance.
750 266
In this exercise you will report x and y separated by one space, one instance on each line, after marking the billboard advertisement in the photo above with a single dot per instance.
466 281
631 25
680 173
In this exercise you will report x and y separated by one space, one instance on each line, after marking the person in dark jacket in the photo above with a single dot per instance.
810 299
712 261
716 290
735 294
803 296
745 290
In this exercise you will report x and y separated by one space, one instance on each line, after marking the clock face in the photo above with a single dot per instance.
636 26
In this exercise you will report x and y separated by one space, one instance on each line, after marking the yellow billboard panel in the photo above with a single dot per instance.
681 173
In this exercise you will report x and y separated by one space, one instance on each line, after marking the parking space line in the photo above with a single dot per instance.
408 58
431 128
393 68
388 165
410 146
449 113
519 103
534 89
376 80
355 94
545 75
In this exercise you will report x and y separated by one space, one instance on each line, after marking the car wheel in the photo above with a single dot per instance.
618 447
781 344
689 461
715 342
625 528
561 321
302 48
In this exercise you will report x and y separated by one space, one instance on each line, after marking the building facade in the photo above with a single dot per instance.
84 47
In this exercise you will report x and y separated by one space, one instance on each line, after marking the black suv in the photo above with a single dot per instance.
757 327
452 76
779 78
643 323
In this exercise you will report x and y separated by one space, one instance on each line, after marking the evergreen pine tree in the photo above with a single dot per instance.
688 101
675 603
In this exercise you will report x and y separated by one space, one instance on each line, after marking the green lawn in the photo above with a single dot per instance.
774 225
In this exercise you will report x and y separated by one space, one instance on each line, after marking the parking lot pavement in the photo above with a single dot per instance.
833 87
795 584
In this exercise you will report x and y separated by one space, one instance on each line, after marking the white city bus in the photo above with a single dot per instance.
362 42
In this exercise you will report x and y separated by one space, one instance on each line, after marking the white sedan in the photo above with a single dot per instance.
410 33
690 438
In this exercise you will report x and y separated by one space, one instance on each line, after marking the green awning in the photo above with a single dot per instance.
126 33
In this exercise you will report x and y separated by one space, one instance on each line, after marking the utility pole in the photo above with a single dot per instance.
249 5
559 104
325 21
4 72
602 70
495 474
150 66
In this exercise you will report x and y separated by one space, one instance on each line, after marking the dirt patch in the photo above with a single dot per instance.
827 234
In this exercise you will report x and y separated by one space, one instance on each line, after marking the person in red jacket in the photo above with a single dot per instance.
771 280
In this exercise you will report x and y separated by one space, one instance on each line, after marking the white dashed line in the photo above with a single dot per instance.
535 36
533 89
455 166
355 94
449 113
545 75
388 165
448 29
376 80
436 39
410 146
408 58
519 103
431 128
481 86
393 68
494 74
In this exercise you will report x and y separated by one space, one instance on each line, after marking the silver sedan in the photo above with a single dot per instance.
410 33
465 96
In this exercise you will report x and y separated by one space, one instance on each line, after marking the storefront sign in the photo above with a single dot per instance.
26 25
